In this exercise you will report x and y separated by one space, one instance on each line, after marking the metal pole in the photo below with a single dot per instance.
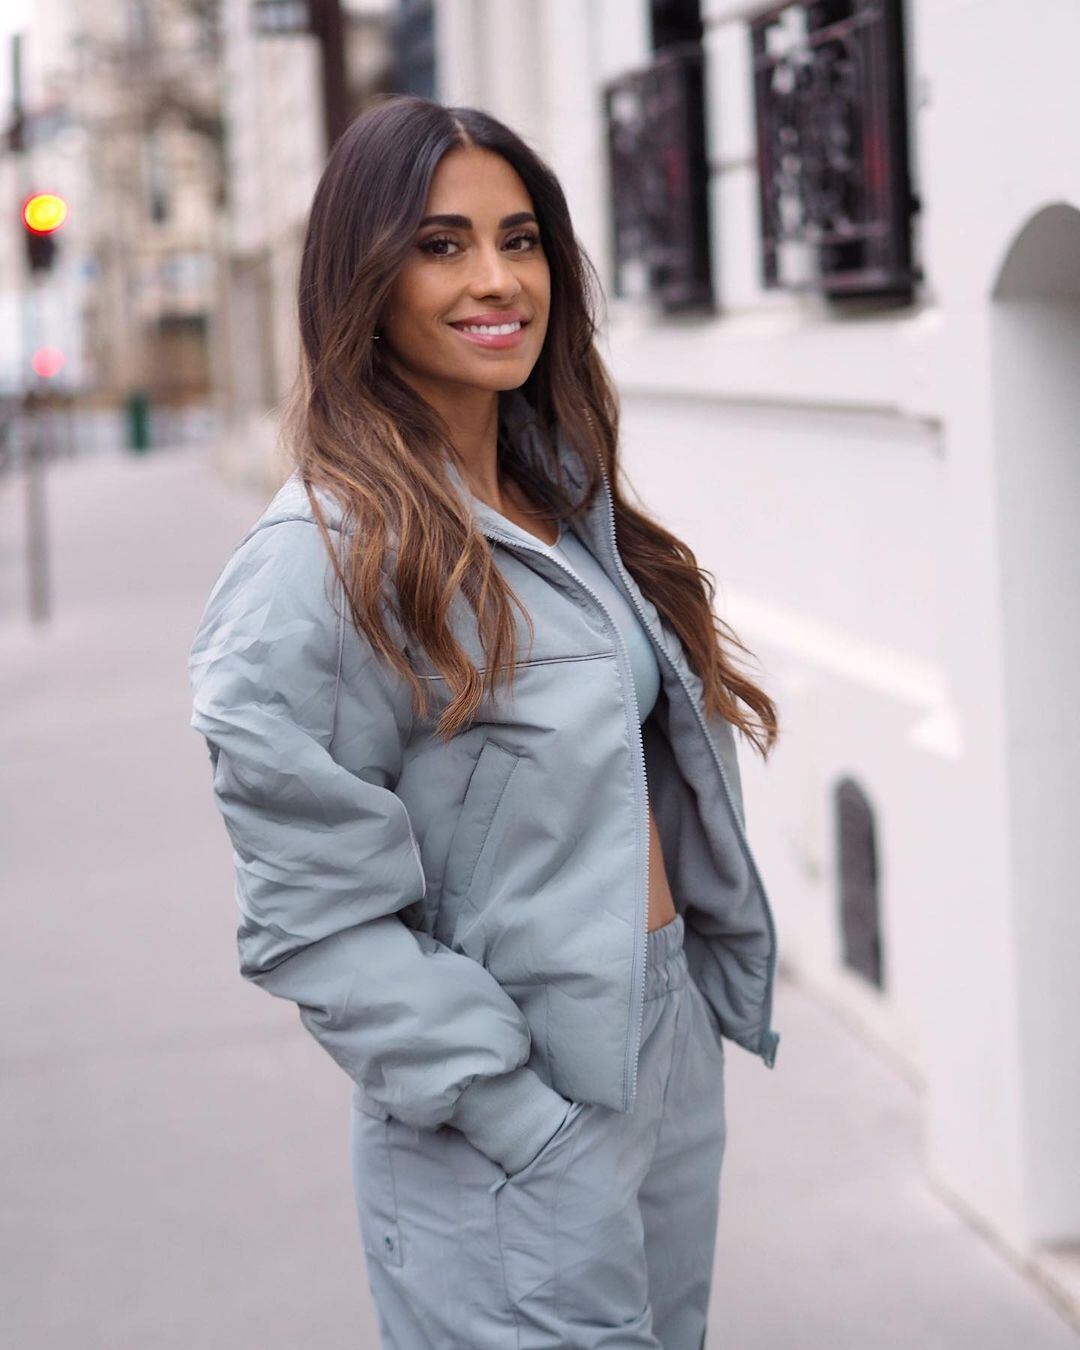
32 445
37 546
328 27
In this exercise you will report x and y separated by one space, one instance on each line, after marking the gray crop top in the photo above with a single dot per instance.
572 551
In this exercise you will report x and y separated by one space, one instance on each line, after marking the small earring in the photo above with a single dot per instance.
376 337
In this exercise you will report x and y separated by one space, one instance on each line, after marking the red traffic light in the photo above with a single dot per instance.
47 362
44 212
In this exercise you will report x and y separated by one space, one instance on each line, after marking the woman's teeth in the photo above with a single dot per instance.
485 328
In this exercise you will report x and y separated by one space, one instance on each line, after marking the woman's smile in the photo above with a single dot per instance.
493 335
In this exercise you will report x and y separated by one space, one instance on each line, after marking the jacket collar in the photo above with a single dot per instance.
521 422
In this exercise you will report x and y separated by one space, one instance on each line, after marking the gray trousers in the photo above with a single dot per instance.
605 1239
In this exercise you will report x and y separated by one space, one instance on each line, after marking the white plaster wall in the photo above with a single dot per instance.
488 57
826 545
990 164
1036 344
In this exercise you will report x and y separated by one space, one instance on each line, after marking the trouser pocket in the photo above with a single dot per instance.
552 1148
373 1185
710 1029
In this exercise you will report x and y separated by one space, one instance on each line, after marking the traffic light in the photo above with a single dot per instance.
47 362
42 216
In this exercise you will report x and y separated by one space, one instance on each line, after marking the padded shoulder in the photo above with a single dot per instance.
291 502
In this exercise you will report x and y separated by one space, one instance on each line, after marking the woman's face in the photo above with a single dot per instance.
488 266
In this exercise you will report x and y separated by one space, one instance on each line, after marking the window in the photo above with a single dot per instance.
658 170
856 847
158 193
675 21
414 48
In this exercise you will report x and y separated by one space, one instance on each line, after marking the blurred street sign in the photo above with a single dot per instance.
282 16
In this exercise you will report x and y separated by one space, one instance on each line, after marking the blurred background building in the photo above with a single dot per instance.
122 117
840 241
289 93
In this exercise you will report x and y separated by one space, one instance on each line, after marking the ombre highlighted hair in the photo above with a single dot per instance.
355 430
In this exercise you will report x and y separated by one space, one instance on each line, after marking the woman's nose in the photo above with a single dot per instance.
494 272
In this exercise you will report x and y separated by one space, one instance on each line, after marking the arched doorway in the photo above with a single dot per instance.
1035 352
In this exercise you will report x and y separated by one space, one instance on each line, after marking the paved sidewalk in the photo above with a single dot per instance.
175 1144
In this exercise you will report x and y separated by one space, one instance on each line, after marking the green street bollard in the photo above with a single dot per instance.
138 421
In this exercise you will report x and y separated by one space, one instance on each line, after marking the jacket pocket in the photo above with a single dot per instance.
477 823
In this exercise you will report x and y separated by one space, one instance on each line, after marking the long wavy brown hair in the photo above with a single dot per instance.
355 430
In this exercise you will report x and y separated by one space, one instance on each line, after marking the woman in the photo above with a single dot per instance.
472 737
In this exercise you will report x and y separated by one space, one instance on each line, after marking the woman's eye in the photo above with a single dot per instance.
428 246
432 245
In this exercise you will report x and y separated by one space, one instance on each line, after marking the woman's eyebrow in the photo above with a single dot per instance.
464 223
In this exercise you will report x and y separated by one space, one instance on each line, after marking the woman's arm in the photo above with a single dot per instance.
324 858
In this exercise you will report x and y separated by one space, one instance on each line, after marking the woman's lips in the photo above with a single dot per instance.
497 341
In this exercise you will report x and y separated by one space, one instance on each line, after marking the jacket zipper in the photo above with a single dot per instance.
769 1039
641 947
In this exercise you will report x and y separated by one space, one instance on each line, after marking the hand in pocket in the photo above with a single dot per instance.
553 1145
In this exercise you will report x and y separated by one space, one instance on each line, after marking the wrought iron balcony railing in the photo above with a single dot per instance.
659 181
832 148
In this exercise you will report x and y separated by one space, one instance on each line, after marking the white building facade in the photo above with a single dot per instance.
276 147
885 497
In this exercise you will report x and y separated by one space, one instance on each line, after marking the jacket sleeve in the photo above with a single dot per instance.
324 857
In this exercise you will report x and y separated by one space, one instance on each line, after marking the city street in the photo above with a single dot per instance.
176 1174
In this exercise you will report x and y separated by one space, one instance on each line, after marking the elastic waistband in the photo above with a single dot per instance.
665 961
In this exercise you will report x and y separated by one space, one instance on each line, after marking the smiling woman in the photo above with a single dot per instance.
482 281
524 925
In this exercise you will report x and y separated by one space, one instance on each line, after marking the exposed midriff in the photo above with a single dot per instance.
661 902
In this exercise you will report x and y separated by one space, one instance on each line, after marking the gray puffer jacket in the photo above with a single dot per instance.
463 926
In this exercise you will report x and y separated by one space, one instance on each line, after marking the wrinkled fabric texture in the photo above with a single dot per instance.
643 662
606 1239
462 926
